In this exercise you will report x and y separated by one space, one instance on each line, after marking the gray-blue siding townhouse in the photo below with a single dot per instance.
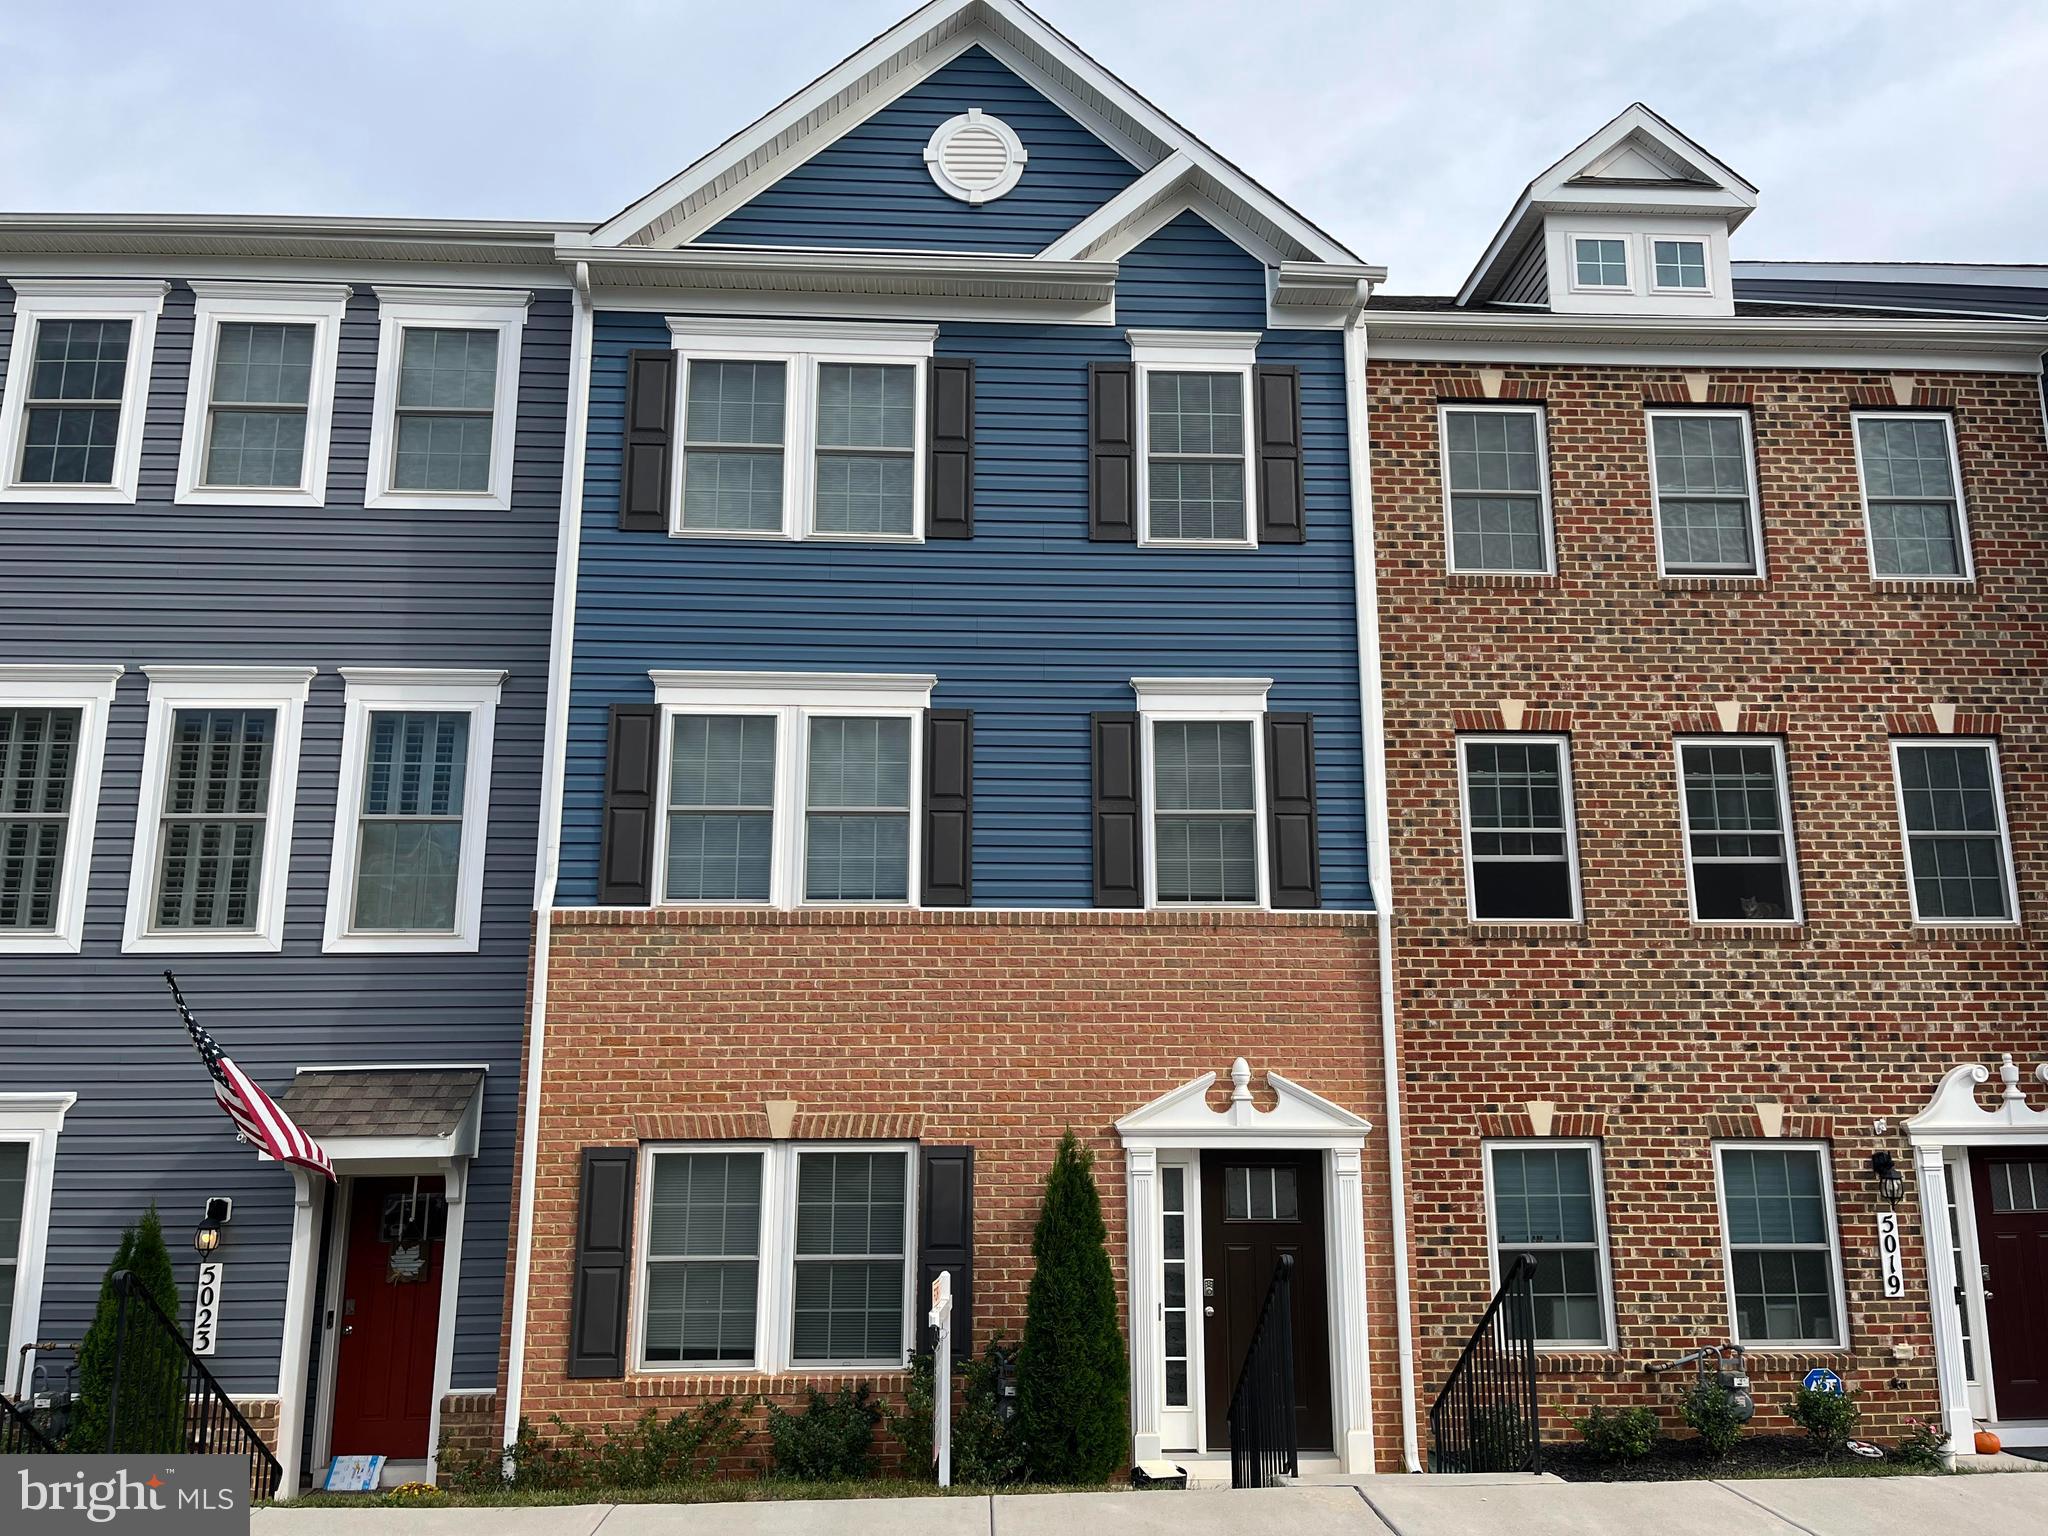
278 506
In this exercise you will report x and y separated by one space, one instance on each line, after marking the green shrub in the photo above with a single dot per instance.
1829 1418
1925 1447
1708 1411
987 1453
831 1441
1624 1435
1072 1390
651 1452
152 1379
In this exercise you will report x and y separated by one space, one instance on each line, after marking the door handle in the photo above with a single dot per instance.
1208 1311
347 1329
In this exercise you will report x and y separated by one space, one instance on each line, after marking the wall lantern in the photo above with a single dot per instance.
218 1209
1891 1184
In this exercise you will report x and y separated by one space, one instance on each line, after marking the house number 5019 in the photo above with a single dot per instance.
206 1307
1888 1254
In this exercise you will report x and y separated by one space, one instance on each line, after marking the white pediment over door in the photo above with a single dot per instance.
1954 1114
1297 1118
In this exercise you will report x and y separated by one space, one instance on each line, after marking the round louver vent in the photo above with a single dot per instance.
975 157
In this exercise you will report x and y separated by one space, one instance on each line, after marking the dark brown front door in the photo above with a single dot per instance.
2012 1241
390 1318
1255 1208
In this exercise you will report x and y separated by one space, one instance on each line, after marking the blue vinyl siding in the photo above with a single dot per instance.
1028 624
871 189
1191 274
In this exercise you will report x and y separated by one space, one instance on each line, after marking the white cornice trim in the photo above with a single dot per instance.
270 292
283 678
1230 349
1201 694
467 298
60 674
422 677
151 290
842 690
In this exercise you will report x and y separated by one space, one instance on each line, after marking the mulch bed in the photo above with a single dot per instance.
1751 1456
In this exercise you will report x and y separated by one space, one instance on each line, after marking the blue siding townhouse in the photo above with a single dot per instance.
962 740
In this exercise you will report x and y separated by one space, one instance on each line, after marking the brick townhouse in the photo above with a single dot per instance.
1714 639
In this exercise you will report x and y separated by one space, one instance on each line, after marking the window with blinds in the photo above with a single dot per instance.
216 802
409 829
1782 1261
38 771
852 1220
703 1258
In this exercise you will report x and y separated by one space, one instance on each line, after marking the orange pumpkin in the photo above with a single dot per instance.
1988 1444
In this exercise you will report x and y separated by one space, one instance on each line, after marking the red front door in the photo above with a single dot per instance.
2012 1240
390 1318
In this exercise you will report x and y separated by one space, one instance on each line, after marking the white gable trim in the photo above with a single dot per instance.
1954 1117
1127 206
1299 1118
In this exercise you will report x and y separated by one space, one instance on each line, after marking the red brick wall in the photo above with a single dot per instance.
998 1030
1643 1026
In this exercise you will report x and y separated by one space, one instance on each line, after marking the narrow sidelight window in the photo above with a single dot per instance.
216 801
447 394
1911 497
857 810
1496 489
735 413
1521 860
1173 1206
13 1222
1600 263
409 850
1195 468
39 758
703 1258
1738 836
721 818
1679 264
852 1216
76 380
1958 860
1778 1218
867 449
1205 821
256 411
1706 505
1546 1200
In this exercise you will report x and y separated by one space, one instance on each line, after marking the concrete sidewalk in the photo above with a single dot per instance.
1988 1504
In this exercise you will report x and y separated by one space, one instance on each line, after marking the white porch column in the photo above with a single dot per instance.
454 1189
1346 1207
1148 1394
308 1198
1951 1377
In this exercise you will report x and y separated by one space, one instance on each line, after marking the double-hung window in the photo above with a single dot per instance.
412 810
1204 764
1600 261
1958 853
29 1127
1738 831
260 399
801 431
1521 850
1700 472
446 413
77 374
53 732
1783 1262
1678 266
1544 1198
1496 489
1912 496
213 829
1196 480
788 790
778 1257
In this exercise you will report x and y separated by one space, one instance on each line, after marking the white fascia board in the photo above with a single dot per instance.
1159 182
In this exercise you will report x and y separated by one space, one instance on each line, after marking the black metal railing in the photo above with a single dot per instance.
19 1435
1263 1433
162 1399
1485 1419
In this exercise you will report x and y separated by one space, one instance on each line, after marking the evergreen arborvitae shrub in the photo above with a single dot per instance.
152 1375
1072 1387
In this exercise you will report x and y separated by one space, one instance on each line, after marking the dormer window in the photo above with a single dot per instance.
1600 263
1679 265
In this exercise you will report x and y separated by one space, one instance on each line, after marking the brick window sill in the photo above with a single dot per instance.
1581 1362
1712 583
1499 579
1529 933
1933 586
1969 933
715 1383
1749 933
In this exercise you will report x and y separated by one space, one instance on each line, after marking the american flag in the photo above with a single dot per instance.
254 1112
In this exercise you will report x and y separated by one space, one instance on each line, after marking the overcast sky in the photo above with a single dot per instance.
1901 131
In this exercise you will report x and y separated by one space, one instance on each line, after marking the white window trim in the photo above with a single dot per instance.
1444 411
1563 743
1172 351
1630 258
67 298
774 1319
1592 1148
90 691
802 347
1226 699
1820 1150
2012 891
793 699
477 309
320 305
1758 569
1685 832
38 1120
280 688
1955 468
1650 241
372 690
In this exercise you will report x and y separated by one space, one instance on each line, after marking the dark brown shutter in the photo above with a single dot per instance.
949 450
625 876
604 1263
1112 450
945 1238
650 428
1119 806
1291 811
948 807
1281 518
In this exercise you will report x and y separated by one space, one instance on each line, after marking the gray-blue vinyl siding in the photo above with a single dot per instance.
871 188
324 587
1028 623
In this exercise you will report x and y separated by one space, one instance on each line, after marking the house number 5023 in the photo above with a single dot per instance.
1888 1254
206 1307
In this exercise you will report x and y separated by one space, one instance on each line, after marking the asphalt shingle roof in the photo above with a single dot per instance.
394 1102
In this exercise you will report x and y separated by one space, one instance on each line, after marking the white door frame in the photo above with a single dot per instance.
1299 1121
